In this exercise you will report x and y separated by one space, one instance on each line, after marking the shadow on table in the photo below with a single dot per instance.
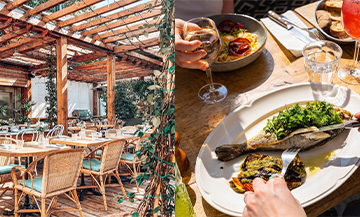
335 94
249 77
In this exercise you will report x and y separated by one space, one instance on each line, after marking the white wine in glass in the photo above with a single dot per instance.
204 30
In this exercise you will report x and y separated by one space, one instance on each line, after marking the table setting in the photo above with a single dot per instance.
290 70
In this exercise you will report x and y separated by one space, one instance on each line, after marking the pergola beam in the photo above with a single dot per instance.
143 44
71 9
95 13
129 35
118 15
16 3
45 6
15 34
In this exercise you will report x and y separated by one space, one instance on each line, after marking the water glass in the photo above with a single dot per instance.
119 132
20 144
321 60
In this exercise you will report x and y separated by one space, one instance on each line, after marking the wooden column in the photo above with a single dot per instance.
111 88
95 100
62 87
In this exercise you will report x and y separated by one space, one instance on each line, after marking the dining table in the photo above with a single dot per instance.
276 67
30 150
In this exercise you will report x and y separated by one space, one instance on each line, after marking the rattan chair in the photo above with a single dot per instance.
129 158
60 175
6 164
106 166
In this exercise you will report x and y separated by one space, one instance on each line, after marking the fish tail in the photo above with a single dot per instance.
229 152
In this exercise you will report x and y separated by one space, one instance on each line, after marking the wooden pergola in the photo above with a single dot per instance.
105 43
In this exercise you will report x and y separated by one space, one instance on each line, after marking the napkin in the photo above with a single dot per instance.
286 38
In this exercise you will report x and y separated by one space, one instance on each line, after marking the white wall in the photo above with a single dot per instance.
79 96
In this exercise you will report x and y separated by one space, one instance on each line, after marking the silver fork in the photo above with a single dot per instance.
287 157
312 30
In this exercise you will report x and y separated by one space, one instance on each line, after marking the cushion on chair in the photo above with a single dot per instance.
95 164
98 152
37 184
129 156
7 169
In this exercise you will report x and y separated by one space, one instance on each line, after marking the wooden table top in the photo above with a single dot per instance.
30 149
88 142
275 67
105 126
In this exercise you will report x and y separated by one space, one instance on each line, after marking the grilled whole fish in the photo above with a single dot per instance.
264 141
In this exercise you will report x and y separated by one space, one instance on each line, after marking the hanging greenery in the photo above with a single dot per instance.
157 151
51 97
128 96
23 110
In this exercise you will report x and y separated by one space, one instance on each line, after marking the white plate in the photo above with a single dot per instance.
212 175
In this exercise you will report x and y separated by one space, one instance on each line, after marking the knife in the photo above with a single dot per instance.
347 125
284 23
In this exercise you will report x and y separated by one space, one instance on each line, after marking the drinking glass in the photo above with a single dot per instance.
20 144
350 17
321 60
204 30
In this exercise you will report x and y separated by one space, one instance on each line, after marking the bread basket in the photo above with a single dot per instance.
321 6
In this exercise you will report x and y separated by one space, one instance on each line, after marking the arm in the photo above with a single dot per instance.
228 7
184 56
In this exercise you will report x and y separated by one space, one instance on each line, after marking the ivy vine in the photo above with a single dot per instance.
50 85
157 151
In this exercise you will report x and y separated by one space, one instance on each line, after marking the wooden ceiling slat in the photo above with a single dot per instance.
87 57
124 29
15 34
71 9
37 43
6 24
45 6
25 40
143 57
130 34
108 18
16 3
145 43
95 13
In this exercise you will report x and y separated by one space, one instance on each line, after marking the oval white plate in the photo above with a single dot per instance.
212 175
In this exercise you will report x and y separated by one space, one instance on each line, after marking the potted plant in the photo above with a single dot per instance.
41 128
82 125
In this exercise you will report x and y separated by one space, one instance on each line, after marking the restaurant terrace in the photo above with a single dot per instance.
87 46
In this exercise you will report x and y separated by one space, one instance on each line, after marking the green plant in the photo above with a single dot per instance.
157 151
51 97
3 111
128 96
23 110
41 127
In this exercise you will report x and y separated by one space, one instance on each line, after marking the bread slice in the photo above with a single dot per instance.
323 20
337 30
334 4
335 16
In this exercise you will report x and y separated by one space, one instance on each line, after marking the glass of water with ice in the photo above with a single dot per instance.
321 60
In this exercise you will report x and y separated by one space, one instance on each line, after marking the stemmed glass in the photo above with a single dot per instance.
204 30
350 16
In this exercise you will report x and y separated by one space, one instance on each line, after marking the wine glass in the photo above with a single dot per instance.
350 17
204 30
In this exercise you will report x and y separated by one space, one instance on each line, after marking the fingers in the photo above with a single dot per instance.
258 184
278 183
182 45
192 64
190 56
246 212
357 115
248 195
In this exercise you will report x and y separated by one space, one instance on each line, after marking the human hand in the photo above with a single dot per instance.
271 199
357 115
184 56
